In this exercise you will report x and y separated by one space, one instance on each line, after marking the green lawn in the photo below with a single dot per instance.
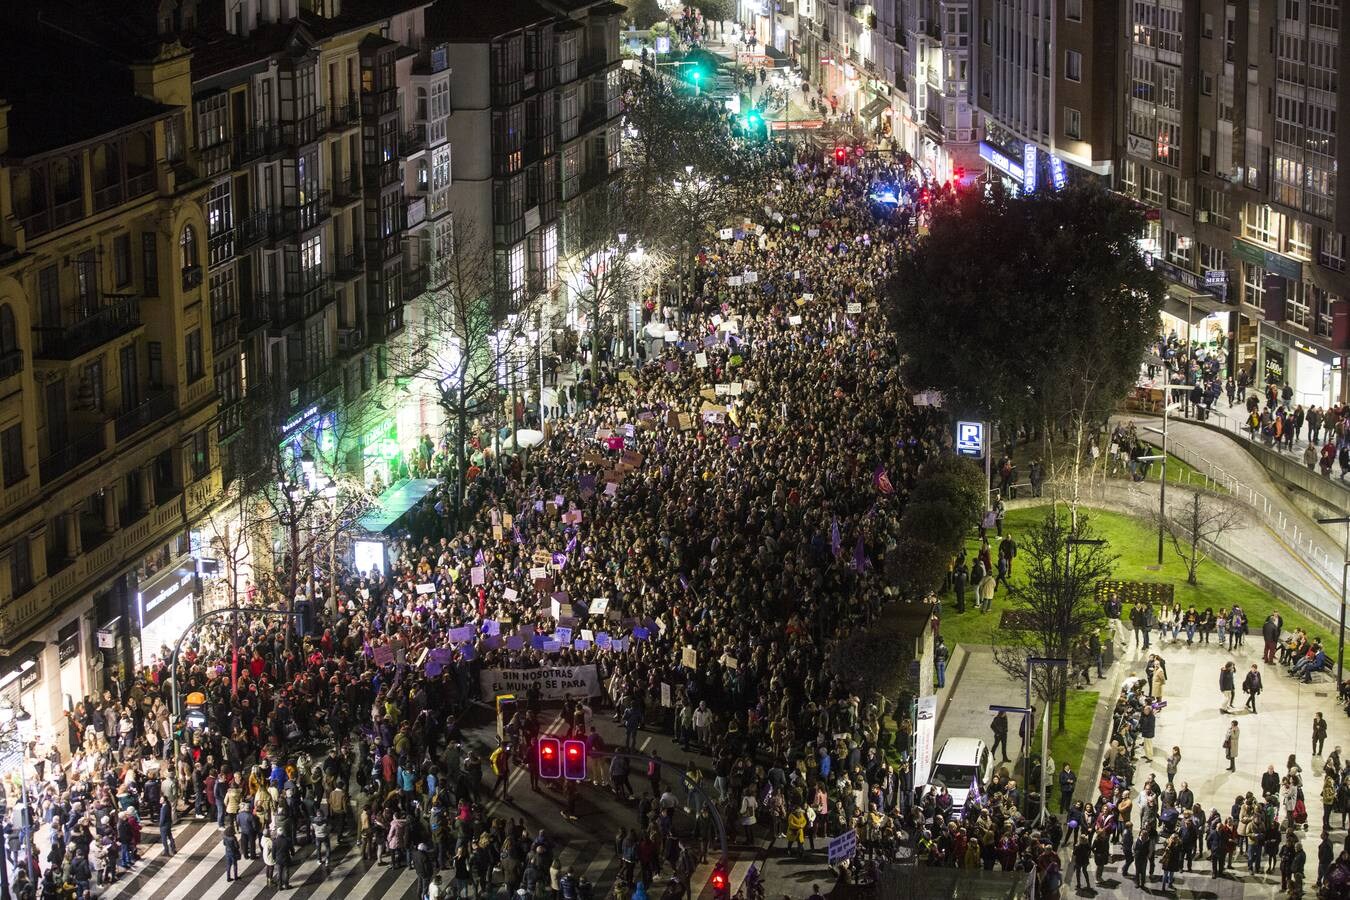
1178 472
1136 545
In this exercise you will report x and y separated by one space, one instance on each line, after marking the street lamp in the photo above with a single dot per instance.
1162 457
1345 566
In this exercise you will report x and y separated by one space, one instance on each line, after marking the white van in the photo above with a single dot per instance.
960 763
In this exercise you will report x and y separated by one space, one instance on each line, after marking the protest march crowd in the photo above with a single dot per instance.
710 523
686 552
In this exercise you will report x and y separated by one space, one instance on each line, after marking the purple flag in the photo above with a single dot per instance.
684 582
836 542
478 558
515 530
859 557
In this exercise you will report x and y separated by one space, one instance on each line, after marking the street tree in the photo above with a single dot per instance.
1032 311
1196 524
645 13
464 343
308 492
1052 600
715 11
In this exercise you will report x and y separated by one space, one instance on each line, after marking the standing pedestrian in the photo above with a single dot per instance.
1230 746
1148 724
1000 728
1227 686
1251 686
231 844
1173 761
1319 733
1067 780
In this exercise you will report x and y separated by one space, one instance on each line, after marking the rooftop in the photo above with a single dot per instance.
61 93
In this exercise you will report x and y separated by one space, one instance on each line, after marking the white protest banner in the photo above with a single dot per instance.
853 308
556 682
426 588
598 606
734 280
926 716
749 277
689 658
844 846
794 320
725 233
665 695
510 593
808 297
701 360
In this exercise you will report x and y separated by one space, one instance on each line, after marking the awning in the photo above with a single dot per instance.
1200 305
875 107
395 502
777 58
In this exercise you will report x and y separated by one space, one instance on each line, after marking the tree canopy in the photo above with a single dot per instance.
1032 310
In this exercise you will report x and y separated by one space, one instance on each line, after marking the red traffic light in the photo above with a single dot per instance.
720 885
959 173
841 155
550 762
574 760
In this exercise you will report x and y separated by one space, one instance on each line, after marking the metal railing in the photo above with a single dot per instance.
151 410
119 315
70 454
1299 536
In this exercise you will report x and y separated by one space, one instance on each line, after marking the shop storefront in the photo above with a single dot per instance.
21 684
166 606
70 661
1313 372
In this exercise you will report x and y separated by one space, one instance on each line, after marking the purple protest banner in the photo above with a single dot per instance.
462 635
384 655
492 641
640 634
580 644
492 626
468 652
515 642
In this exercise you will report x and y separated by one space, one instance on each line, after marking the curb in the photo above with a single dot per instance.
954 669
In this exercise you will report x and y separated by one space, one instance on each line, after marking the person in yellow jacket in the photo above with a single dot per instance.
796 830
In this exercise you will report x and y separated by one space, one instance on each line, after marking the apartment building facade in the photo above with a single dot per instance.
535 130
107 425
1228 117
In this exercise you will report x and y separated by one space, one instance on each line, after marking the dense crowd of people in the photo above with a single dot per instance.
712 521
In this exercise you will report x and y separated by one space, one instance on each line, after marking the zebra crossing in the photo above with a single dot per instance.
197 871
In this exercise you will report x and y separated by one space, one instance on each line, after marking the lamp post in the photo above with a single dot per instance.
1162 457
1345 567
1034 662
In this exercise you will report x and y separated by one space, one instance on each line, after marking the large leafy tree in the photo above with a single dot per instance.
1030 311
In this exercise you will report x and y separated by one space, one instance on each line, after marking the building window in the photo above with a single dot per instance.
1332 254
121 250
20 567
987 31
187 248
9 332
1261 223
1073 65
1073 123
1321 303
199 455
211 118
1129 178
1153 186
1296 302
1254 284
11 455
193 354
1073 10
91 384
1212 257
1300 239
1178 194
150 263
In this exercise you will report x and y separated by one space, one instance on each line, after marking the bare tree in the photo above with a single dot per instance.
1198 524
1054 600
459 343
310 494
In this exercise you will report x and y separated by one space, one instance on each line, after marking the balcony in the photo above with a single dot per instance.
415 211
384 249
349 265
312 382
305 129
412 140
250 230
253 313
382 174
215 159
119 315
350 341
154 408
346 190
11 363
192 277
107 197
378 103
67 212
295 219
414 283
256 143
220 247
345 114
70 454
